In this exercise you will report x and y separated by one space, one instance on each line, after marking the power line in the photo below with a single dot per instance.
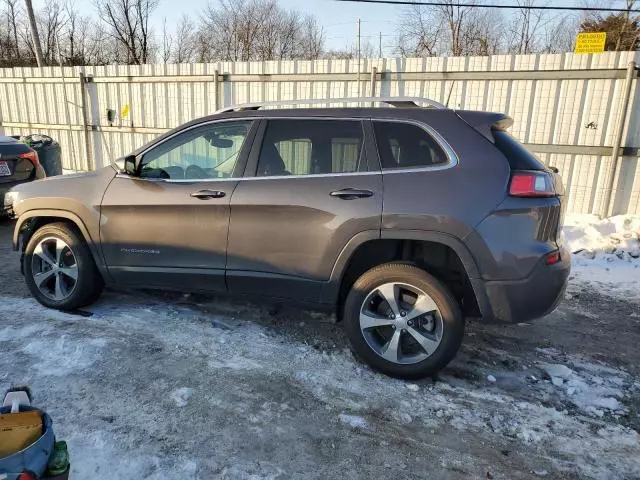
513 7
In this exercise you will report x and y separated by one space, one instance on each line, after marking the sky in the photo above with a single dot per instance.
337 18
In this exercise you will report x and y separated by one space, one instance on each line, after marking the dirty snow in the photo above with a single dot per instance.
606 253
354 421
170 387
120 364
181 396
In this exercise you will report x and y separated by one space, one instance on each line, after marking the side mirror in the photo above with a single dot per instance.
130 165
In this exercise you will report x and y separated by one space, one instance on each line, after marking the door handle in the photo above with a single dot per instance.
351 193
208 194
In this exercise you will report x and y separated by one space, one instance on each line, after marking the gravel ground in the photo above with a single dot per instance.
177 386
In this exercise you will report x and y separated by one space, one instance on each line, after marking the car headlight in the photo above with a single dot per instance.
10 198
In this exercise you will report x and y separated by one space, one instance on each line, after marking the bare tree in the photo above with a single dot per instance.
559 35
184 46
167 43
127 22
419 33
483 34
526 28
242 30
12 44
449 29
82 42
311 38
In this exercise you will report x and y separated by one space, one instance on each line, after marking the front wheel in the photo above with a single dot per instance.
402 321
59 268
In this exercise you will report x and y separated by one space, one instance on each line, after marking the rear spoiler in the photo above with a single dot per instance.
485 122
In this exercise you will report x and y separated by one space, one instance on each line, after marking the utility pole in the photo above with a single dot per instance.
380 45
34 33
358 54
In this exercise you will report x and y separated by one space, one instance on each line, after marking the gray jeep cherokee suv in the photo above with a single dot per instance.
404 220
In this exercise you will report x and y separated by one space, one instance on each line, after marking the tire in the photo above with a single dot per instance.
440 330
42 264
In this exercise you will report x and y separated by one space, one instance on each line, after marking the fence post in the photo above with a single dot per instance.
617 141
85 126
216 80
93 107
374 73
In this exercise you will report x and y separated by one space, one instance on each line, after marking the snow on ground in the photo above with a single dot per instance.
606 252
164 387
158 389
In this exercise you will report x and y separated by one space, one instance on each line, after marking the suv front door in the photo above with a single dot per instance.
167 226
311 190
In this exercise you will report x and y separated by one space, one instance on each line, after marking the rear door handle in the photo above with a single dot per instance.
208 194
351 193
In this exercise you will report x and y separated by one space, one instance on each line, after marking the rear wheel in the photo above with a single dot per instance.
59 268
402 321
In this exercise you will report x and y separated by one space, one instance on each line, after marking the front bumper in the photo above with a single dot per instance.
5 210
512 301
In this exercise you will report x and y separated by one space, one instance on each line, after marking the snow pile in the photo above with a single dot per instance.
606 252
590 235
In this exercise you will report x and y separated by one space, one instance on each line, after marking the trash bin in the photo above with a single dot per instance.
49 152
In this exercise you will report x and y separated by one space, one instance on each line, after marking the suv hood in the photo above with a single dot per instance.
74 193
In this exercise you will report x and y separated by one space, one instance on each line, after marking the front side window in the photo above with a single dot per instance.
311 147
404 145
206 152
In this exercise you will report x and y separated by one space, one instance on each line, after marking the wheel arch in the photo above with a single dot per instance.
29 222
368 249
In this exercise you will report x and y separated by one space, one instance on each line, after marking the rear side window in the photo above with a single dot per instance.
404 145
517 154
311 147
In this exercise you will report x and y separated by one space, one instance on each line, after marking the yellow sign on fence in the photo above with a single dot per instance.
590 42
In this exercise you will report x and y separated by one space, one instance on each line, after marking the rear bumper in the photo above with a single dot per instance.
511 301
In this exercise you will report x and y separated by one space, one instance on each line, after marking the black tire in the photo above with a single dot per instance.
452 319
89 284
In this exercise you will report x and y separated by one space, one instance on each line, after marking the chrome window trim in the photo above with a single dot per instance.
448 150
451 155
197 125
240 179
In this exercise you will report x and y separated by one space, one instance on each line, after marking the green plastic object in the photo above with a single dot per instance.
59 460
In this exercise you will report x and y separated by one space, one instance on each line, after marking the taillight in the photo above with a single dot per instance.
27 475
531 184
32 156
553 258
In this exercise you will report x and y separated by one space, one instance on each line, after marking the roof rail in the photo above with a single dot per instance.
412 102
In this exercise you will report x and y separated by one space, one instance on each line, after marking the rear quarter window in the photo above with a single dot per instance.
405 145
517 154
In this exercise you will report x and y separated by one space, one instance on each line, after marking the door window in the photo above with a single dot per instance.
311 147
404 145
209 151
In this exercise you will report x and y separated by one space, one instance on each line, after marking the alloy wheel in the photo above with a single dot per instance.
401 323
54 268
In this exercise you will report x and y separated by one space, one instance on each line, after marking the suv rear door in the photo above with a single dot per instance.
309 190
